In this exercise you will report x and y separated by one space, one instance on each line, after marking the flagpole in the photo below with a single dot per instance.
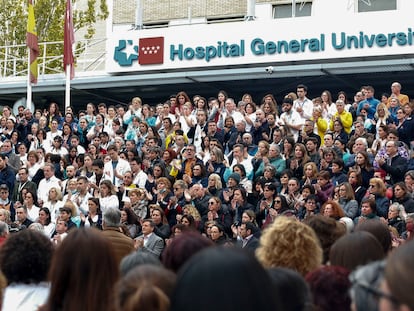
29 84
67 92
68 59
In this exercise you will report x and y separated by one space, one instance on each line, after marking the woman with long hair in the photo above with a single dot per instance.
94 217
130 220
339 131
71 287
222 97
328 107
403 197
45 220
215 165
365 166
162 229
86 168
66 135
147 115
258 159
107 195
299 159
355 180
54 202
310 174
381 140
382 117
377 191
288 148
347 200
215 185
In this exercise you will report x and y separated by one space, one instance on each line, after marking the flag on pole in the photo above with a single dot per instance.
31 42
69 39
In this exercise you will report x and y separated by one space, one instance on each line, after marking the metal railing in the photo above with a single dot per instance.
90 56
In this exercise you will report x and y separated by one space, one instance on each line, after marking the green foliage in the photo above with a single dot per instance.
50 25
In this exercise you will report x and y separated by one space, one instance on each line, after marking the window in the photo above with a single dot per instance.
285 10
376 5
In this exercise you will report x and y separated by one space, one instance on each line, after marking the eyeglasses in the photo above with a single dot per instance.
211 203
371 186
177 189
278 201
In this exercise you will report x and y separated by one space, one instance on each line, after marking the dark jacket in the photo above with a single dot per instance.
396 169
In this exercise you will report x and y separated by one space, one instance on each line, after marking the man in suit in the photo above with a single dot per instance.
248 242
23 183
121 244
149 242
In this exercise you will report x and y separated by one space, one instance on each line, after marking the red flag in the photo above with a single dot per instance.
151 51
32 43
69 39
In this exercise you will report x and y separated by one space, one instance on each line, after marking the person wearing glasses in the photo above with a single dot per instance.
219 213
189 162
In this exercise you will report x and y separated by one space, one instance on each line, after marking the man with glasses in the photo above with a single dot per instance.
189 162
393 164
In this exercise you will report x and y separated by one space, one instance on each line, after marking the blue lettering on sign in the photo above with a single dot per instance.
260 47
222 49
122 57
363 40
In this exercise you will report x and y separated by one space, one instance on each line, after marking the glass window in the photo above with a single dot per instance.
285 10
376 5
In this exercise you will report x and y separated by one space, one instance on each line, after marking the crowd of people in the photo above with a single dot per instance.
317 189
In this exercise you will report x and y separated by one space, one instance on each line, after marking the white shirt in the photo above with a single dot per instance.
293 117
306 105
140 179
25 297
54 209
45 185
109 202
33 213
122 167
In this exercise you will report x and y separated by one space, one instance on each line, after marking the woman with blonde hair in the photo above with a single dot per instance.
5 216
215 185
310 174
321 125
258 160
190 209
139 202
382 117
347 200
75 217
290 244
54 202
377 191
